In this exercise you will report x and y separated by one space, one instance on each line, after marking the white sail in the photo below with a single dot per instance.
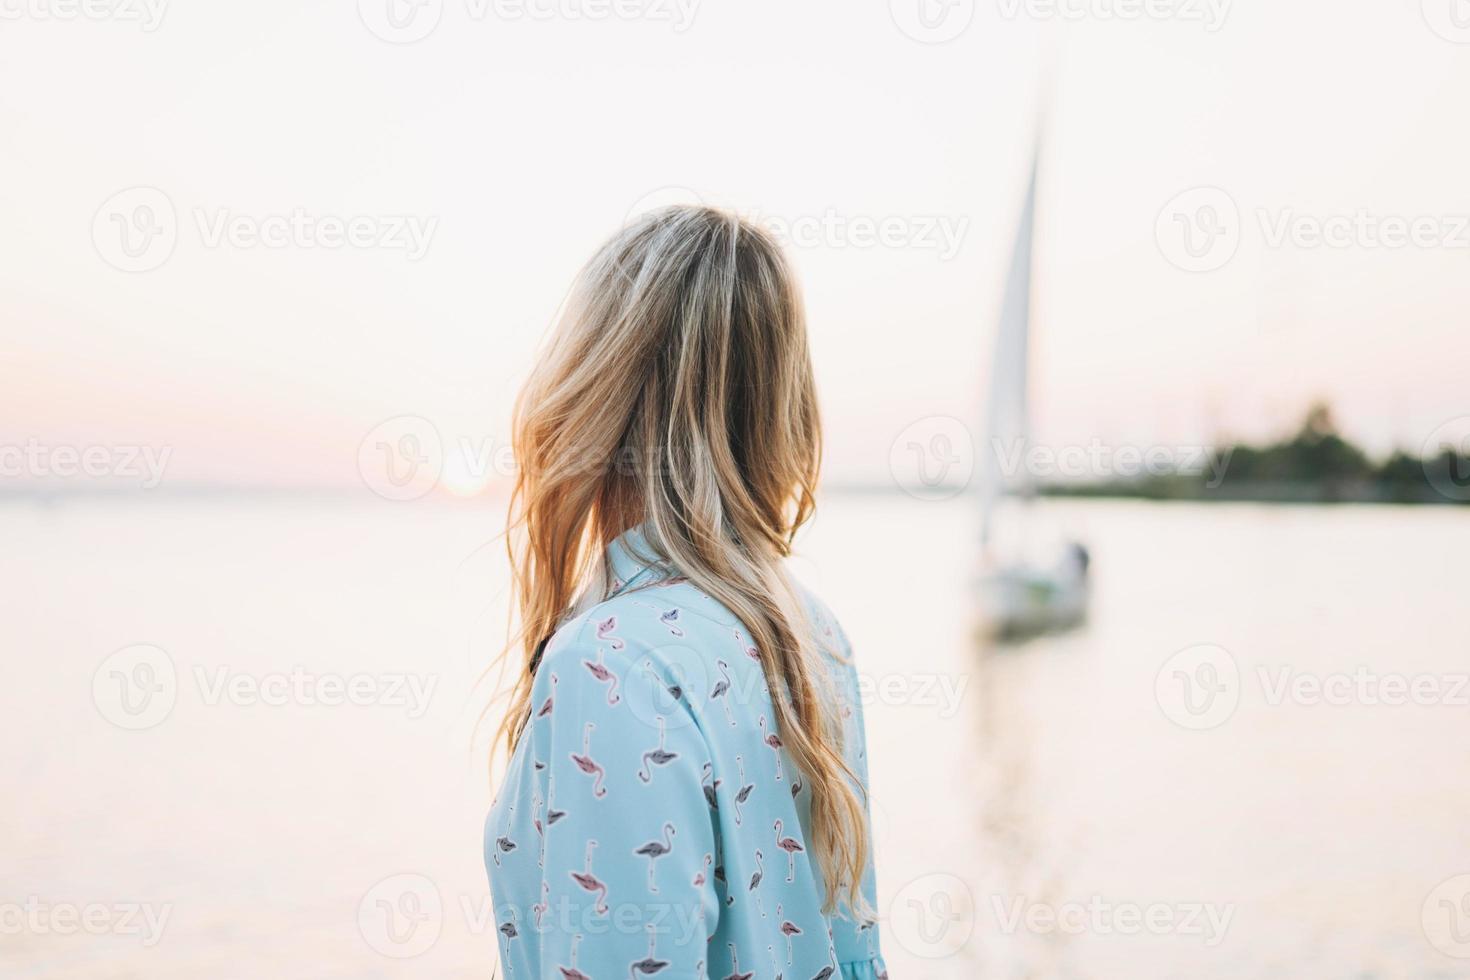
1007 423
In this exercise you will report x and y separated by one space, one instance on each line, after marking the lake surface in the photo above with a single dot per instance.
240 741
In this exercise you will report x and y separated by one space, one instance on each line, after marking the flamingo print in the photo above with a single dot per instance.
675 691
721 690
605 632
827 972
774 741
755 880
589 765
745 790
571 972
700 878
788 929
539 909
650 964
735 973
710 796
775 963
546 705
658 757
589 882
790 846
509 931
654 850
671 620
599 670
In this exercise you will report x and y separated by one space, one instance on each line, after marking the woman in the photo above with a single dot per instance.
687 788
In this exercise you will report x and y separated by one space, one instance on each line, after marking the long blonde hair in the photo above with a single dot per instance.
677 393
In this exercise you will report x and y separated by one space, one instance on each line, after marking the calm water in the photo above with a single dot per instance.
1100 805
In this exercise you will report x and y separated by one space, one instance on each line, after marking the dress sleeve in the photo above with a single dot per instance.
628 840
856 943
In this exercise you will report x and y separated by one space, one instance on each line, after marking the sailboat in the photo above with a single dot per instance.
1018 596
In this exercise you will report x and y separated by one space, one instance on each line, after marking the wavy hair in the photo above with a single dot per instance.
676 393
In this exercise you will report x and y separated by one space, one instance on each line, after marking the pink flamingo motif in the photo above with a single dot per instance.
790 846
658 757
671 620
721 690
605 632
599 670
546 705
735 966
796 785
654 850
650 964
589 765
755 881
539 909
589 882
774 741
701 878
571 972
750 651
788 929
710 796
745 790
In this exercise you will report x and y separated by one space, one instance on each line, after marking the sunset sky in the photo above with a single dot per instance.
514 145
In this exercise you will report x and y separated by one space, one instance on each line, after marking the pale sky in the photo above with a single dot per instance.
516 145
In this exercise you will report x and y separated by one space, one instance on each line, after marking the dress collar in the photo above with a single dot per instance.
633 562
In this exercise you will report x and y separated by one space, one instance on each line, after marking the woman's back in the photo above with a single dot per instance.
651 821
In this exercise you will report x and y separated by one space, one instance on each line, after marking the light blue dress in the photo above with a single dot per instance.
650 823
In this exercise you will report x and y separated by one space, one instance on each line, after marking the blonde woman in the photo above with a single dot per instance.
686 794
